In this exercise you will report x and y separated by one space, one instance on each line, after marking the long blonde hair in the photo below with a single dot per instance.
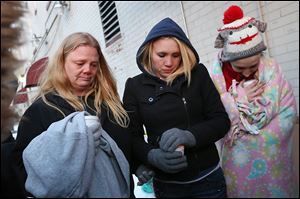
188 60
54 79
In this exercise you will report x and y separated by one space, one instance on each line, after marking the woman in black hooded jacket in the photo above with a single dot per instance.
176 101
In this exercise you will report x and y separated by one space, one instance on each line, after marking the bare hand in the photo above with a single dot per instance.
253 90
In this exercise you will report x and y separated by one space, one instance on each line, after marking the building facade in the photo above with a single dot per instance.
53 20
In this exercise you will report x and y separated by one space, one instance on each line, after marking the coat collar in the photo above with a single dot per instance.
55 98
161 86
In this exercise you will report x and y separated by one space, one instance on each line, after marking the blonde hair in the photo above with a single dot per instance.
11 31
188 60
54 79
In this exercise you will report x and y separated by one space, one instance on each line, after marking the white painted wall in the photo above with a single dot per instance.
202 19
282 35
136 19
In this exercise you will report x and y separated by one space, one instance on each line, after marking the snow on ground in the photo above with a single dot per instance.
138 192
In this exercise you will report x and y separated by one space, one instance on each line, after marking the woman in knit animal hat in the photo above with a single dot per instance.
256 152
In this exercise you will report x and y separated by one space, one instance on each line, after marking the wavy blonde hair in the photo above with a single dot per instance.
188 60
11 30
54 79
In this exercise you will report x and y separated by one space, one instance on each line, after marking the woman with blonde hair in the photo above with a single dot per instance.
180 108
77 79
102 85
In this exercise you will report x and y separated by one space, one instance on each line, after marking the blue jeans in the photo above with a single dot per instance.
213 186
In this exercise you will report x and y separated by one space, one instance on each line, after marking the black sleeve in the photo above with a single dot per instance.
140 147
217 122
10 186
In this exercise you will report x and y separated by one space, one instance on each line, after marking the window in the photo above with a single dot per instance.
110 21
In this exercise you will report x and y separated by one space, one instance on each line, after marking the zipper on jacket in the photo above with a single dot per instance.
186 111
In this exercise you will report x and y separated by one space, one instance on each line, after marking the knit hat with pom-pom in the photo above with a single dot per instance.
240 36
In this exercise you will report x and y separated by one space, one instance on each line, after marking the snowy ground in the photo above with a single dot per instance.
138 192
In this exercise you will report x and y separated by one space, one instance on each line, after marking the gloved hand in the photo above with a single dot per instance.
144 174
169 162
93 124
174 137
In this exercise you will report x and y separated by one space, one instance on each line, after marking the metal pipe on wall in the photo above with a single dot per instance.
184 20
261 18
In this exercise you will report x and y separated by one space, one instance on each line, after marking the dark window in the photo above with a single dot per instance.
110 21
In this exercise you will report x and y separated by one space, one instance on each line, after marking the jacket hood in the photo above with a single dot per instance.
166 27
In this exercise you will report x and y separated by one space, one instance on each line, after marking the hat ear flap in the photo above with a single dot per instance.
261 26
219 43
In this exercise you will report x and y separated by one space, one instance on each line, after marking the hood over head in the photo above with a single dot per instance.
164 28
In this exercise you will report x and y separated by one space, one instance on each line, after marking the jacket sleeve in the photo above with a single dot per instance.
139 146
217 122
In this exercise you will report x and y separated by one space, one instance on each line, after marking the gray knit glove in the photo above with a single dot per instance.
169 162
174 137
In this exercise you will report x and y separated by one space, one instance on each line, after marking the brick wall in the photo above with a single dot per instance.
282 35
136 19
202 20
283 38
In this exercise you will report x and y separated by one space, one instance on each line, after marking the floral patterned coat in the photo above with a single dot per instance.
257 151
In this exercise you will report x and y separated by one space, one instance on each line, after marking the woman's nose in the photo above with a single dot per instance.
168 62
86 68
247 73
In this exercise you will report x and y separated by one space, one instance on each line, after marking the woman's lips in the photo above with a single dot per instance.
85 78
167 71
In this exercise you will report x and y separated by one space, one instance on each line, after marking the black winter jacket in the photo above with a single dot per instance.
38 117
159 107
10 186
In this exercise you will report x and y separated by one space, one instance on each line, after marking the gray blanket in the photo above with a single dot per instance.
63 162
